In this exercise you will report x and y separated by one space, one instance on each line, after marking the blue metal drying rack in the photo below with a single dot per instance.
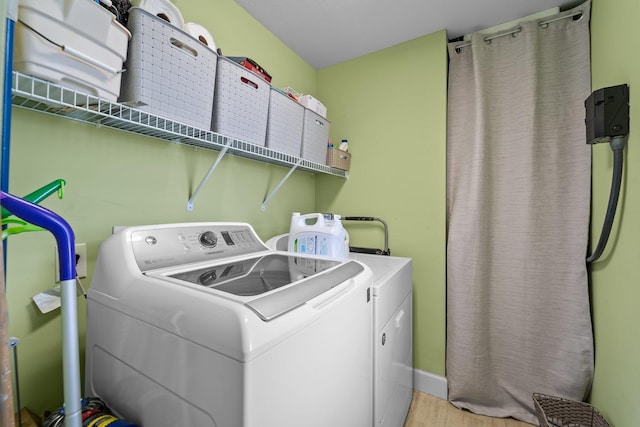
48 220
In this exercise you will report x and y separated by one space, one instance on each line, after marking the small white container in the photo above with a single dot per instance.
85 50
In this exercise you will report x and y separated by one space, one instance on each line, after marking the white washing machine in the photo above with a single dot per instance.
392 333
202 325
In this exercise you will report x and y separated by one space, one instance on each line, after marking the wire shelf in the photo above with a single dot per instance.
36 94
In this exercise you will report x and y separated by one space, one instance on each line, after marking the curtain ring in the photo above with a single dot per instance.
487 40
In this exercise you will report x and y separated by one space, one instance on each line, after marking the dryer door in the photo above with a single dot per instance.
394 365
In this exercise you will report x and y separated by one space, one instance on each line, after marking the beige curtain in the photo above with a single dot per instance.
518 178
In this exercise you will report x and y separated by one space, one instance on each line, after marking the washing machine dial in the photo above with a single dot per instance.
208 239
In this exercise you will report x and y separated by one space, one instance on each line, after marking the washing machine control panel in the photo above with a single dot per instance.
168 246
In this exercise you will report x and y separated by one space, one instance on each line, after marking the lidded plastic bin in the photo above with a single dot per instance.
168 73
76 44
241 103
284 123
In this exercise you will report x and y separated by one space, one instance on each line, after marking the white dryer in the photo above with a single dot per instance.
392 333
202 325
392 337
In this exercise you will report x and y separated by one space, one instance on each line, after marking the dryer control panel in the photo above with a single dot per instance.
161 246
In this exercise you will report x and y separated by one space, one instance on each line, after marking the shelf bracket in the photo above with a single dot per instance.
213 167
275 190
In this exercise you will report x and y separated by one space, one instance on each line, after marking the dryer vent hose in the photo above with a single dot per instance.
617 145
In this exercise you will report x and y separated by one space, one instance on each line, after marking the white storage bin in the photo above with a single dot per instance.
284 123
241 103
168 72
85 49
315 137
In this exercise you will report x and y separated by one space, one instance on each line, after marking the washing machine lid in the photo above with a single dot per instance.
267 277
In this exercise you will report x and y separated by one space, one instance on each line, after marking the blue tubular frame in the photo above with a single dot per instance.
62 231
6 116
6 106
65 238
42 217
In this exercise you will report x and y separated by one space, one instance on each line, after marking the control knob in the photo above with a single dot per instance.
208 239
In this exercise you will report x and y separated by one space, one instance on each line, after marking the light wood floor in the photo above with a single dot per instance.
429 411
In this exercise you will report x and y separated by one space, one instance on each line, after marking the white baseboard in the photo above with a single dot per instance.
429 383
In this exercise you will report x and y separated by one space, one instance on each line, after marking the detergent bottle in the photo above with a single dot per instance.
318 234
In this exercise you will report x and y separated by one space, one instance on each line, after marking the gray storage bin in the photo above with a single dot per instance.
284 123
315 137
168 72
241 103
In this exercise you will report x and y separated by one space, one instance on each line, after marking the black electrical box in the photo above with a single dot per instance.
607 113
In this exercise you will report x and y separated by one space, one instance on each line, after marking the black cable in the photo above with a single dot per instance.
14 343
616 181
40 34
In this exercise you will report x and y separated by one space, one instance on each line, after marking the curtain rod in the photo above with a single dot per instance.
518 29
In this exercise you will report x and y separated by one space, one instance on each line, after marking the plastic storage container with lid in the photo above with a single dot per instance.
77 44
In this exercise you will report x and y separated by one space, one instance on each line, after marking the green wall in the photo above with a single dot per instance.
117 178
616 277
391 106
